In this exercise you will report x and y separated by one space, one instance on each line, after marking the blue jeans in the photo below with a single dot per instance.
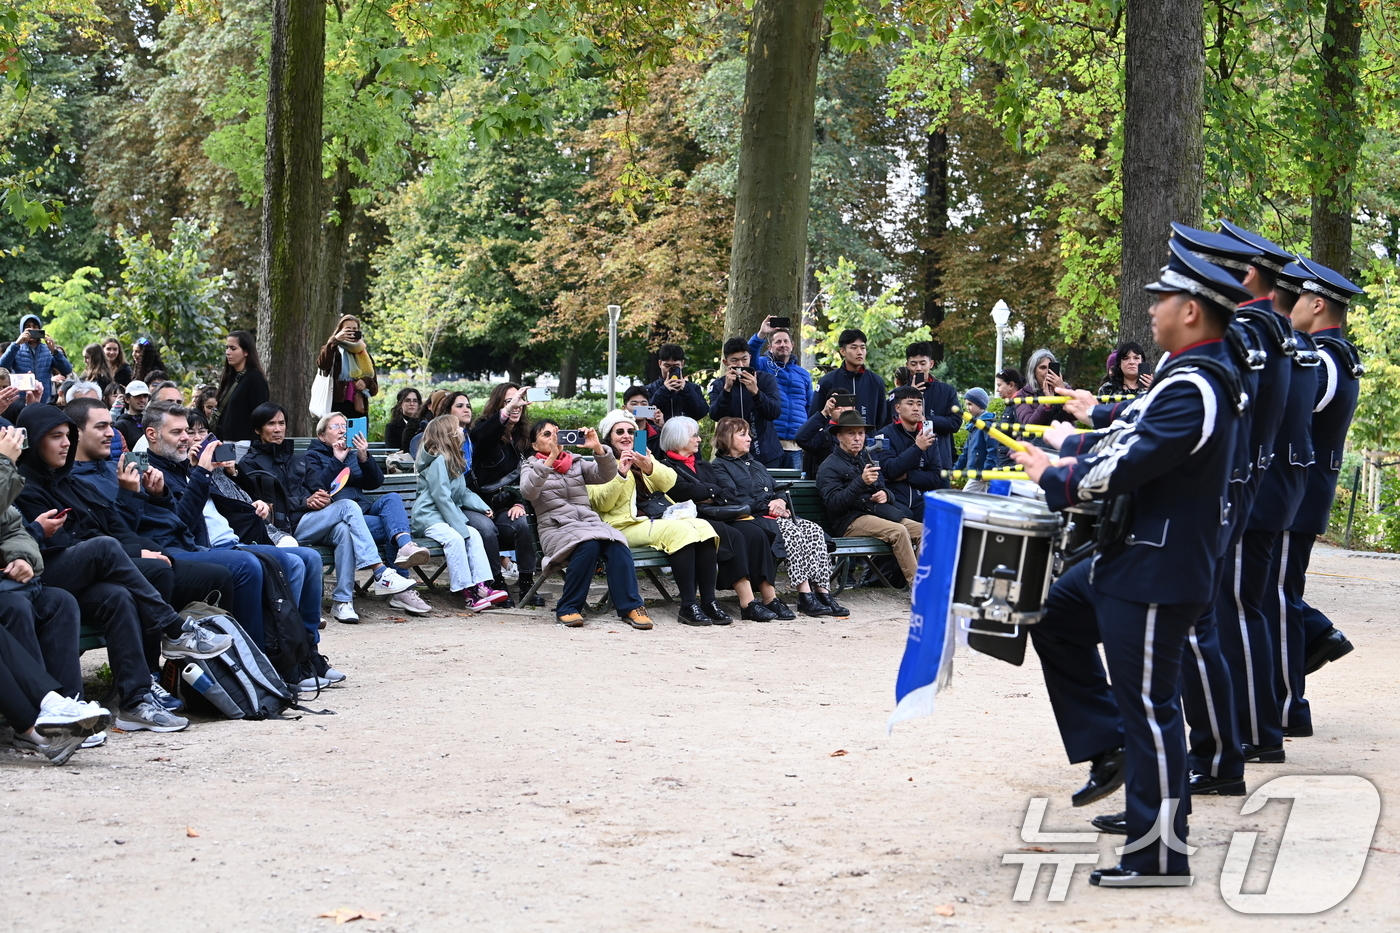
791 460
303 568
622 577
344 525
386 519
245 602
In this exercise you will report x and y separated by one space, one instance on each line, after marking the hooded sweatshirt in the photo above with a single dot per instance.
47 488
38 359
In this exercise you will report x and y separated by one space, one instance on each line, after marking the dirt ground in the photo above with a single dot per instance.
502 773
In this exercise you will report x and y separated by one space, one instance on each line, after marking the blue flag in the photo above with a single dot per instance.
927 666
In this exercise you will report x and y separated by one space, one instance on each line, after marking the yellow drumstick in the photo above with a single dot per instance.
984 474
1062 399
1007 440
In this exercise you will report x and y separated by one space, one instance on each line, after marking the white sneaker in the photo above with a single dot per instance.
344 612
411 555
96 739
389 583
510 572
61 715
410 601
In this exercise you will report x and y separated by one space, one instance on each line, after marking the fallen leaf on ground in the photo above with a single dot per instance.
189 831
162 758
839 752
944 910
345 915
1035 849
1386 851
743 853
397 619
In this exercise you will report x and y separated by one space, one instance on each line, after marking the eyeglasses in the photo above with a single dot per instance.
624 431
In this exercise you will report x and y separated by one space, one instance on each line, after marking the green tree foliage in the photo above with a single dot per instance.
75 309
1373 324
887 329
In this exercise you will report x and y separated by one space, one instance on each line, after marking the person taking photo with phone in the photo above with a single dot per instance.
912 460
746 393
674 394
35 352
794 383
346 359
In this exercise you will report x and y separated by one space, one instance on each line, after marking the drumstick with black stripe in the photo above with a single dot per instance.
984 474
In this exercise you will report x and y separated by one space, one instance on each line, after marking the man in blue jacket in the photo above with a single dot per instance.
852 378
746 393
912 462
794 386
32 353
673 393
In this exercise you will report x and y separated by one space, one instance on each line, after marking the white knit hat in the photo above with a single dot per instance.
611 420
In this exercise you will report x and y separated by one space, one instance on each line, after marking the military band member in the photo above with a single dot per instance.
1163 470
1309 639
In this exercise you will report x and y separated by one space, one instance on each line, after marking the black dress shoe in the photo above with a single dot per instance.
757 612
838 611
1265 754
780 609
716 612
1329 646
809 605
1298 732
1120 877
1115 823
1224 786
691 614
1106 774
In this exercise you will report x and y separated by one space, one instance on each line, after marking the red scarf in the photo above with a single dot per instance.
561 465
688 461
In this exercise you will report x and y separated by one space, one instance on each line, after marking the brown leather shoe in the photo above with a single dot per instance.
637 618
571 619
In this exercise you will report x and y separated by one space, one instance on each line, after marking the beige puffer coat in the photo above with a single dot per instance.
561 505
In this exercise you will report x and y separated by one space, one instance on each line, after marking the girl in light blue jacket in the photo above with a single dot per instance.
438 513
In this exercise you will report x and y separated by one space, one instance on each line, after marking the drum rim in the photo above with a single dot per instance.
1025 514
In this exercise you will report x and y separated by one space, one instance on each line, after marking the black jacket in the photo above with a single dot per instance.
689 401
745 481
399 431
276 474
868 388
846 494
941 404
495 458
322 467
46 488
760 410
909 472
129 427
701 484
814 437
233 419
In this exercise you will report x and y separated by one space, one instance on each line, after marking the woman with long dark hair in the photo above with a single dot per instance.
145 359
242 388
405 420
1125 375
500 443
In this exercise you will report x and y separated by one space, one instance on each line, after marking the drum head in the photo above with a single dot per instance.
1001 511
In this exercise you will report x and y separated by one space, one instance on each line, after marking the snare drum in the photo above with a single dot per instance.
1004 569
1078 535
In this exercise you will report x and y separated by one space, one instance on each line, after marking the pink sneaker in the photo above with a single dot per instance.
483 597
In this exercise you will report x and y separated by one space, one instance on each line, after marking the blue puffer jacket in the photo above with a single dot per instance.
38 359
794 388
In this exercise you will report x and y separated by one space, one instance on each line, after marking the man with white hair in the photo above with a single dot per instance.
82 390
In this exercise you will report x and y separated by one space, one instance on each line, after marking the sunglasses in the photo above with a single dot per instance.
624 430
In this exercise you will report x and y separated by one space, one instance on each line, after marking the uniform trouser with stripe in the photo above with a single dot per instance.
1292 651
1247 636
1066 639
1143 645
1207 689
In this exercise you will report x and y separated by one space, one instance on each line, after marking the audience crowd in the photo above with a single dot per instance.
126 501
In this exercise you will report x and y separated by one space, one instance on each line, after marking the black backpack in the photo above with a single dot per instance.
284 633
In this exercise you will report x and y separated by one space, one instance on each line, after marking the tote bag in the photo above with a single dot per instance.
321 391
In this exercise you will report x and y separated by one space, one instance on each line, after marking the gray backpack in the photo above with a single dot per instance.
241 683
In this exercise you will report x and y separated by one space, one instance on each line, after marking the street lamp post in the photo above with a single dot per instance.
1001 313
614 312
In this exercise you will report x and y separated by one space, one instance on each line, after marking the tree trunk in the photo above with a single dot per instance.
568 374
292 206
936 227
335 249
767 262
1340 132
811 288
1163 149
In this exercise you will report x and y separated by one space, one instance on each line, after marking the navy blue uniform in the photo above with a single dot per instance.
1249 628
1171 451
1338 386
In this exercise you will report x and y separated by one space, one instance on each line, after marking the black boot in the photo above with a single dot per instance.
809 605
507 603
716 612
838 611
537 601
